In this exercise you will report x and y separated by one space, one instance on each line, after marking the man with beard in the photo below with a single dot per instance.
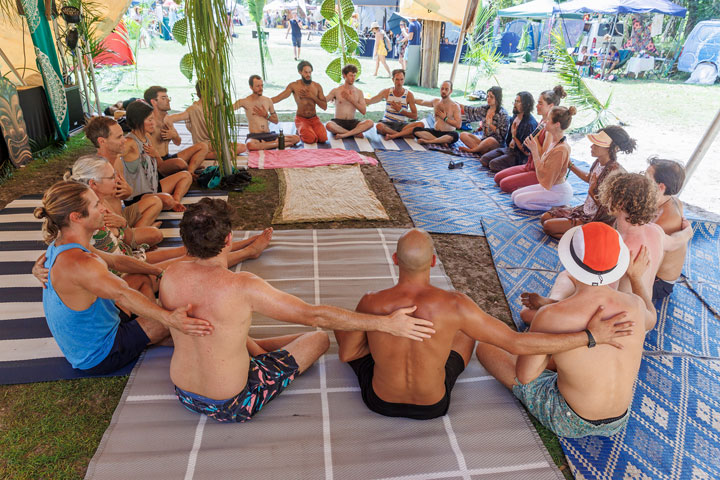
348 99
447 118
259 111
188 159
307 95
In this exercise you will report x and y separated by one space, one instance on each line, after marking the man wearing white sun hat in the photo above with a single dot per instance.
585 391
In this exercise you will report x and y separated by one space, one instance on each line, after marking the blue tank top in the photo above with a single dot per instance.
85 337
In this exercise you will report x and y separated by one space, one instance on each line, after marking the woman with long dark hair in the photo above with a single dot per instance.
141 162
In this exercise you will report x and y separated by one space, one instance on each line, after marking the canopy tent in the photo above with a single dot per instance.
537 9
376 3
618 7
439 10
14 34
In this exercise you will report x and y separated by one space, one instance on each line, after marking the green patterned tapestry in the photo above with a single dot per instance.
47 63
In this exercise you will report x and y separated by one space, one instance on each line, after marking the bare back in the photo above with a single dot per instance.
651 236
670 219
215 366
407 371
596 382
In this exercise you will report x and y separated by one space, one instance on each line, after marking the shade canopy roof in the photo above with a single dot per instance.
614 7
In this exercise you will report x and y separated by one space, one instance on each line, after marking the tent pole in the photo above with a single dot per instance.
702 148
12 68
471 5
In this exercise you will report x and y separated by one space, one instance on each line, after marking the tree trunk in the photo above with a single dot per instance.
430 53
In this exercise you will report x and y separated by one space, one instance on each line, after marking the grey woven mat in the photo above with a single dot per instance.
319 428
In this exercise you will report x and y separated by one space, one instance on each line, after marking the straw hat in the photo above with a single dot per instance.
601 139
594 253
374 25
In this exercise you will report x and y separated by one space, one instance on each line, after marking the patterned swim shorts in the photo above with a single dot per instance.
544 400
268 375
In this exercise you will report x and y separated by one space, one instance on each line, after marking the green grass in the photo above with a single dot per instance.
257 185
51 429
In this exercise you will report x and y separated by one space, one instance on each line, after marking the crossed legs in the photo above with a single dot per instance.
341 132
390 134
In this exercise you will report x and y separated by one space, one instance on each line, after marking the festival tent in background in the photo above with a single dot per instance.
619 7
117 48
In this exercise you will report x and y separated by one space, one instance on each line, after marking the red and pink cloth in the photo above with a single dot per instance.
266 159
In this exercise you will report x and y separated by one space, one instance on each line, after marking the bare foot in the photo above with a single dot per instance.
360 135
178 207
156 224
389 137
533 301
261 242
465 149
341 135
421 141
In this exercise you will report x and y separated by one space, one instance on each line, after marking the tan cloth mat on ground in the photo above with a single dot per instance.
319 427
323 194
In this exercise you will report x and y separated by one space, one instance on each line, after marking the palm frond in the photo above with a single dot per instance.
578 93
209 42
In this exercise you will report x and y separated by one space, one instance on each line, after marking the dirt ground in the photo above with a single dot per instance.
466 258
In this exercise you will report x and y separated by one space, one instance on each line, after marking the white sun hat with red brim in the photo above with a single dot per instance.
594 253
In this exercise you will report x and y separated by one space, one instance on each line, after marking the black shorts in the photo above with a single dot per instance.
439 133
262 137
130 341
348 125
364 368
296 40
169 156
661 289
397 126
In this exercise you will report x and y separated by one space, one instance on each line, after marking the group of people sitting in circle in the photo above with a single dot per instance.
109 294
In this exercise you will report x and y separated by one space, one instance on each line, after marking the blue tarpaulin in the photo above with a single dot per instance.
615 7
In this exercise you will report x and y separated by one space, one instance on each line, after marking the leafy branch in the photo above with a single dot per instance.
578 93
255 9
481 52
341 38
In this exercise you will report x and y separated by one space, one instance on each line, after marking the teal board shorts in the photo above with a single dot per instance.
544 400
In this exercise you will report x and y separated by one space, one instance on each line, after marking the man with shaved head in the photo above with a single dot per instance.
400 378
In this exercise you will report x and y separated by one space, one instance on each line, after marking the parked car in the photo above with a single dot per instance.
702 48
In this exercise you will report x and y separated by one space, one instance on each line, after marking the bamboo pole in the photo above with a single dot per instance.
430 53
470 9
702 148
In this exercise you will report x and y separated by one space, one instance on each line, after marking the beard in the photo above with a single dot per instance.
515 111
306 82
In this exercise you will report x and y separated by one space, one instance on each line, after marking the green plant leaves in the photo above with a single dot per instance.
347 8
327 9
179 31
334 70
187 66
330 40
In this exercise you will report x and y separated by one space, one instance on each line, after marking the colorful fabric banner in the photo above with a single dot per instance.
47 62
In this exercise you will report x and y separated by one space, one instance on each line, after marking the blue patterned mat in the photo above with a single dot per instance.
674 428
441 200
673 432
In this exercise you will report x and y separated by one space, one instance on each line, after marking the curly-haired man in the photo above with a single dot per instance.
631 198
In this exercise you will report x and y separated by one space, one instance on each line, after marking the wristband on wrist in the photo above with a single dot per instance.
591 339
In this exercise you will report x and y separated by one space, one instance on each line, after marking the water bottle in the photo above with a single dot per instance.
281 140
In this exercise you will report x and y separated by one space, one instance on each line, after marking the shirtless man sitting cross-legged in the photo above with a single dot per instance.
308 95
259 111
399 378
348 99
591 390
191 157
230 377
